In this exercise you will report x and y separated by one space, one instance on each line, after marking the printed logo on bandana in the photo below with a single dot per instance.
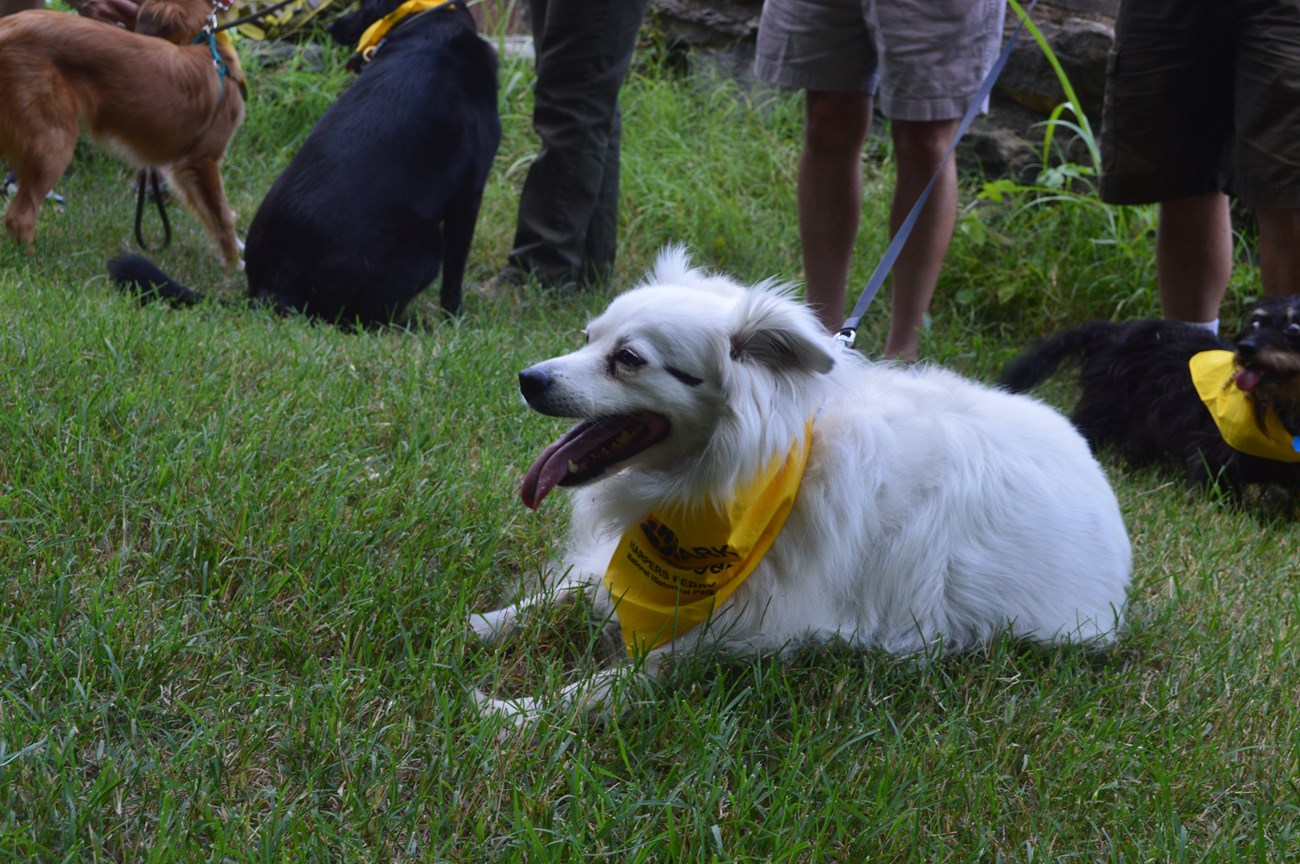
698 559
665 580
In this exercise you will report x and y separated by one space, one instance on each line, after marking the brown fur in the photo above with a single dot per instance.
151 102
177 21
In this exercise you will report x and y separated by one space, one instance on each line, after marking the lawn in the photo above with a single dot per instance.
237 555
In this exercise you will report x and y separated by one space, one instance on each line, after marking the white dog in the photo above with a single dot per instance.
932 513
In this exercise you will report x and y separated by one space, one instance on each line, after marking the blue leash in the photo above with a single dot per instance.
849 330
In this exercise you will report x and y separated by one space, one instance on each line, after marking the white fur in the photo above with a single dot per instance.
935 513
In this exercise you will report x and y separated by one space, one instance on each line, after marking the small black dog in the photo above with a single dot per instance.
1138 394
386 189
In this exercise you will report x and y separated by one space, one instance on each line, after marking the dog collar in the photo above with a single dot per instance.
211 39
376 32
671 570
1234 411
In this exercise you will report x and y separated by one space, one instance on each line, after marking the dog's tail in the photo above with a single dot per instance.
1041 361
140 277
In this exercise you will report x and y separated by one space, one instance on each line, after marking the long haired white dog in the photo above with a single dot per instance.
933 513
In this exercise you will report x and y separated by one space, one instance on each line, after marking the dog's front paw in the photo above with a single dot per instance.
492 626
522 713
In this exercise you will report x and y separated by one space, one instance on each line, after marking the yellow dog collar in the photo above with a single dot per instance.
670 571
1234 414
376 32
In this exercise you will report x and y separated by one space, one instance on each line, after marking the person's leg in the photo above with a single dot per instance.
1279 250
1193 256
1166 138
823 48
919 150
584 49
934 55
1267 115
829 195
601 244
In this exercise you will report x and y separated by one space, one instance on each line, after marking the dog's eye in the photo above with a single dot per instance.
1292 330
629 358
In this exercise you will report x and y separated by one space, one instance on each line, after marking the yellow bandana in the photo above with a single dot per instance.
376 32
1212 373
669 572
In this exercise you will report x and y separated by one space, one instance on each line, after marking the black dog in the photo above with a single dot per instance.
386 188
1138 394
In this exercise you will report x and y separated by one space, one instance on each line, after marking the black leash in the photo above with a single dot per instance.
849 330
255 16
149 177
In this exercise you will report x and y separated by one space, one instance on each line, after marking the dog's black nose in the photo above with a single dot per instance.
1247 348
532 383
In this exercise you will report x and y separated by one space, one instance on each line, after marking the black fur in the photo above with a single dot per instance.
386 189
1137 396
149 282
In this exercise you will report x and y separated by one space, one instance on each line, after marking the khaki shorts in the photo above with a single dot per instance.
1203 96
925 59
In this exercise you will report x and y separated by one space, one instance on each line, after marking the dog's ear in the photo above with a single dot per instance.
777 332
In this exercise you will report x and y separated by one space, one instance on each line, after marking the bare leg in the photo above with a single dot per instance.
919 149
830 196
1194 256
1279 250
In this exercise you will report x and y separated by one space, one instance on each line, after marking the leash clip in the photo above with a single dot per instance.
218 7
846 337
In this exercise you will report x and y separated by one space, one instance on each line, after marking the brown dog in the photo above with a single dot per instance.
150 101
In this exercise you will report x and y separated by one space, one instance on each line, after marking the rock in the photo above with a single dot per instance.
1080 45
713 23
990 150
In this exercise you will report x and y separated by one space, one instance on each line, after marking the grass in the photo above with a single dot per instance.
237 554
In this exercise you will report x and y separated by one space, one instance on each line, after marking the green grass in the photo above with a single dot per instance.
237 554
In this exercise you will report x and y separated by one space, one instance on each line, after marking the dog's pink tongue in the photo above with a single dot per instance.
1246 379
587 449
549 468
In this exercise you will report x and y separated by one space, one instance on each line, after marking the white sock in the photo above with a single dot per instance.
1212 326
